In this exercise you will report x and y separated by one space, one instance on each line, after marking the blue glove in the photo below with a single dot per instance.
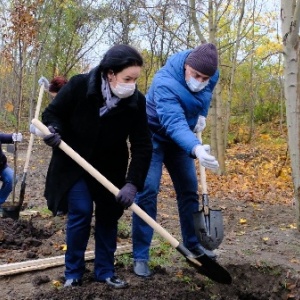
126 195
53 139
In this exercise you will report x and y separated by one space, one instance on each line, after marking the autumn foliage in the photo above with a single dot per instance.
257 172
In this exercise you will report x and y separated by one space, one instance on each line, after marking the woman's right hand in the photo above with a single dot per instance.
53 139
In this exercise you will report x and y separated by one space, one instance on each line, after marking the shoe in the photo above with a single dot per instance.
141 268
116 282
200 250
60 213
73 282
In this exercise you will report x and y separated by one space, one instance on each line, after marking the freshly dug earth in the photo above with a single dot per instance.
261 250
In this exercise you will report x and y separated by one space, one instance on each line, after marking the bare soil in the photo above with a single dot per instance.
261 250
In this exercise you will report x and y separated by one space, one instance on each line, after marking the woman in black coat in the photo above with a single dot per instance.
102 116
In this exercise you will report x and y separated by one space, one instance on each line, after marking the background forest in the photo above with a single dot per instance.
66 37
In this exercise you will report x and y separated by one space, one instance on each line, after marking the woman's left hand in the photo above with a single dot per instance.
126 195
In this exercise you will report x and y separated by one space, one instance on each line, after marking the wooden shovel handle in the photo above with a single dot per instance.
108 185
202 170
36 115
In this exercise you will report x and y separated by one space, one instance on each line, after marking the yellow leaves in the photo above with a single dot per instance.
295 261
64 247
256 173
243 221
268 48
179 274
8 106
56 283
265 136
287 226
292 226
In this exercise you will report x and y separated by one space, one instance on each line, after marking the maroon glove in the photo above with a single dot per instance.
53 139
126 195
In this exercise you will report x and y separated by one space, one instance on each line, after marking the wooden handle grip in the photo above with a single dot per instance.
202 169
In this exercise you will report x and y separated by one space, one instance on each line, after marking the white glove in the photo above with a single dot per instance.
35 131
17 137
44 80
201 124
206 160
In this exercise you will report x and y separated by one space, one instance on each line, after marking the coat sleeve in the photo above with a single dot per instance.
6 138
140 147
172 117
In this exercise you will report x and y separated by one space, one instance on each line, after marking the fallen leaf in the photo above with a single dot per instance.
295 261
56 283
241 233
63 247
243 221
164 216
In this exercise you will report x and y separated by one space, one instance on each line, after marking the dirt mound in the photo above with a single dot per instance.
21 234
249 283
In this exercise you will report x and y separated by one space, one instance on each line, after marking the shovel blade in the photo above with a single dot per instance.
209 228
206 266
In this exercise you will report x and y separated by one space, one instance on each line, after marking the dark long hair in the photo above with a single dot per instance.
120 57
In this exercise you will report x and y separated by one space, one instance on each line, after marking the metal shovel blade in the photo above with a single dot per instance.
209 228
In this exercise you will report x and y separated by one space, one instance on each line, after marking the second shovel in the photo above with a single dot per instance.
208 222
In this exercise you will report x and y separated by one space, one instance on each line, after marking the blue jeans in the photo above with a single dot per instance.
182 170
7 177
80 211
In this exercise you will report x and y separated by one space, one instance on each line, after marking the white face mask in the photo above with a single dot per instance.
195 85
123 90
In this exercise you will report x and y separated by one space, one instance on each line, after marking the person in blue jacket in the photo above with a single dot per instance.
177 103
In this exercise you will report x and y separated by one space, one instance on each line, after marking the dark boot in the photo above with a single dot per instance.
73 282
200 250
116 282
141 268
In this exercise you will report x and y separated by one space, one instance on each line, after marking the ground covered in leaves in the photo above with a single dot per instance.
261 247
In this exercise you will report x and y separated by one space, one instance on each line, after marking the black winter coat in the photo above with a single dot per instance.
102 141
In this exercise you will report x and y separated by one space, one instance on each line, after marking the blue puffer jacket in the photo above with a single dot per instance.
172 109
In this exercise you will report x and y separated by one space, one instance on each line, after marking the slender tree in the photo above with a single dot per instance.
290 18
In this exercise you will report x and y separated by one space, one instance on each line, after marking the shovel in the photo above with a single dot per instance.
202 263
29 150
208 222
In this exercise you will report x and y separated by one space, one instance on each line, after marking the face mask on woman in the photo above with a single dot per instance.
195 85
123 90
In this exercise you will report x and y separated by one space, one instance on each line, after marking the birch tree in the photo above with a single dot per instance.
290 18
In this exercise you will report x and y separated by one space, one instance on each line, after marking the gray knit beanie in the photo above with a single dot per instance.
204 59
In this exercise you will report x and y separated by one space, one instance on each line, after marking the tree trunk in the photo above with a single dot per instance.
290 17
